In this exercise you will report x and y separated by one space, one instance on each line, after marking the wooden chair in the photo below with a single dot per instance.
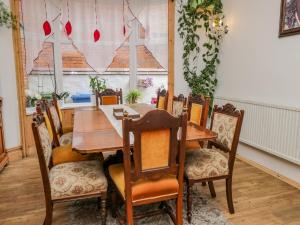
67 181
162 99
109 97
207 165
198 108
178 104
59 112
59 137
61 153
156 172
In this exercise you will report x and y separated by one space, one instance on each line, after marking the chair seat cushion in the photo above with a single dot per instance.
144 189
65 154
192 145
66 139
205 163
75 179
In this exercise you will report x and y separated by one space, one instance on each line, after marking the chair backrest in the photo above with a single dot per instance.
109 97
54 122
179 102
227 122
198 108
57 107
44 151
41 110
162 99
159 146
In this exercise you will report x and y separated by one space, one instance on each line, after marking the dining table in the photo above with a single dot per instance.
96 130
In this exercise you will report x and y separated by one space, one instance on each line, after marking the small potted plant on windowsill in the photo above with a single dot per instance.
133 96
61 97
97 85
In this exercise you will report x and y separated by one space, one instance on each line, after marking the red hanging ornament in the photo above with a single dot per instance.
68 25
97 35
46 24
124 30
124 27
68 28
47 28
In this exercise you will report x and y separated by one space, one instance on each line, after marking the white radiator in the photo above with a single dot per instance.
270 128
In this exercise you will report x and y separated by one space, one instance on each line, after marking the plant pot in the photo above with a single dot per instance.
61 102
93 99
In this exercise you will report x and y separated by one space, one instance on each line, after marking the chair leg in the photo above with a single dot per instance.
189 203
129 213
229 195
179 205
212 189
114 204
103 209
49 213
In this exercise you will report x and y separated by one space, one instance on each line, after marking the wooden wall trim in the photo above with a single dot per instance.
15 154
270 172
171 36
20 73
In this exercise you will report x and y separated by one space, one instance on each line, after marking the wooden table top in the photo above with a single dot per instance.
93 132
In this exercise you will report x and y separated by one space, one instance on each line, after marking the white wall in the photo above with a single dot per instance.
257 65
8 89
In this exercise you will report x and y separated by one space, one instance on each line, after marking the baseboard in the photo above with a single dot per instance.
15 154
270 172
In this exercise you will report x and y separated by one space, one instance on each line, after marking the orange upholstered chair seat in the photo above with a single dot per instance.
66 154
110 100
141 189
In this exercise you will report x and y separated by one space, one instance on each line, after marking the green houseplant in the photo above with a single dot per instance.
201 49
97 84
61 97
133 96
7 19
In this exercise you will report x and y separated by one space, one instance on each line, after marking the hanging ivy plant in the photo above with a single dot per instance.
7 19
197 16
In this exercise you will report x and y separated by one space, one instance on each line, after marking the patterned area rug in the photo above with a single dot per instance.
204 212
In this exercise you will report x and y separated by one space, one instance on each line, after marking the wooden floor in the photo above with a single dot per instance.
260 199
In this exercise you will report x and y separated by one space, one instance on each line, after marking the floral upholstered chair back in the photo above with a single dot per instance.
178 105
42 139
55 118
226 122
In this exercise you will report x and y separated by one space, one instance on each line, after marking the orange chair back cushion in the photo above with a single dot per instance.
110 100
155 148
196 114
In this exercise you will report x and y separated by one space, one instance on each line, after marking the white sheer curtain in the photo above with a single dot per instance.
153 15
34 15
110 23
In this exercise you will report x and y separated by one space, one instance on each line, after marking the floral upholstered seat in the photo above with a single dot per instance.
66 139
205 163
76 179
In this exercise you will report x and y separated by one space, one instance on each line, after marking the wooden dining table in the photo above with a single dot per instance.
94 133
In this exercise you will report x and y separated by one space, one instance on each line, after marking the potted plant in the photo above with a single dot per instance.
133 96
31 98
61 97
97 85
7 19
